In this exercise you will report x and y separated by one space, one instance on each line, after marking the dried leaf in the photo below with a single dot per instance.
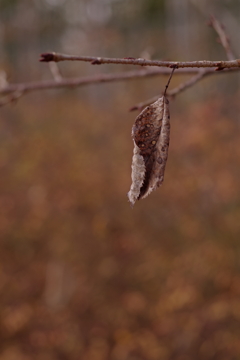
150 133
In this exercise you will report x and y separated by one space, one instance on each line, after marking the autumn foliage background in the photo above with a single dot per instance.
82 275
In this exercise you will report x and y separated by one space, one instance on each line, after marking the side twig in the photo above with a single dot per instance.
180 88
223 38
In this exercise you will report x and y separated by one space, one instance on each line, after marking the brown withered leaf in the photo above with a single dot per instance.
150 133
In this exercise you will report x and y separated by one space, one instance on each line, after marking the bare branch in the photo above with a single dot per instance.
198 68
219 28
183 86
189 83
224 39
75 82
132 61
104 78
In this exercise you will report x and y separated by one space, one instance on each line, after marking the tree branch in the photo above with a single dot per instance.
132 61
223 38
183 86
87 80
199 69
22 88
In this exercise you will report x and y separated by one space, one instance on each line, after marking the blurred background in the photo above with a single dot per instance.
82 275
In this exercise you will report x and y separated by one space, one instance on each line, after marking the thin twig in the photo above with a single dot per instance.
183 86
102 78
132 61
169 80
88 80
189 83
224 39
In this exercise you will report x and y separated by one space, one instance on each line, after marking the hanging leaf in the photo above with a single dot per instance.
150 133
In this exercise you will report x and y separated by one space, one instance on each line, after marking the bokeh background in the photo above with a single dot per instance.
82 275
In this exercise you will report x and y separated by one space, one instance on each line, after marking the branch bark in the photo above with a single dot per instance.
219 65
87 80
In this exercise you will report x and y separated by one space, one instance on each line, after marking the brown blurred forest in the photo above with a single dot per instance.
82 275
